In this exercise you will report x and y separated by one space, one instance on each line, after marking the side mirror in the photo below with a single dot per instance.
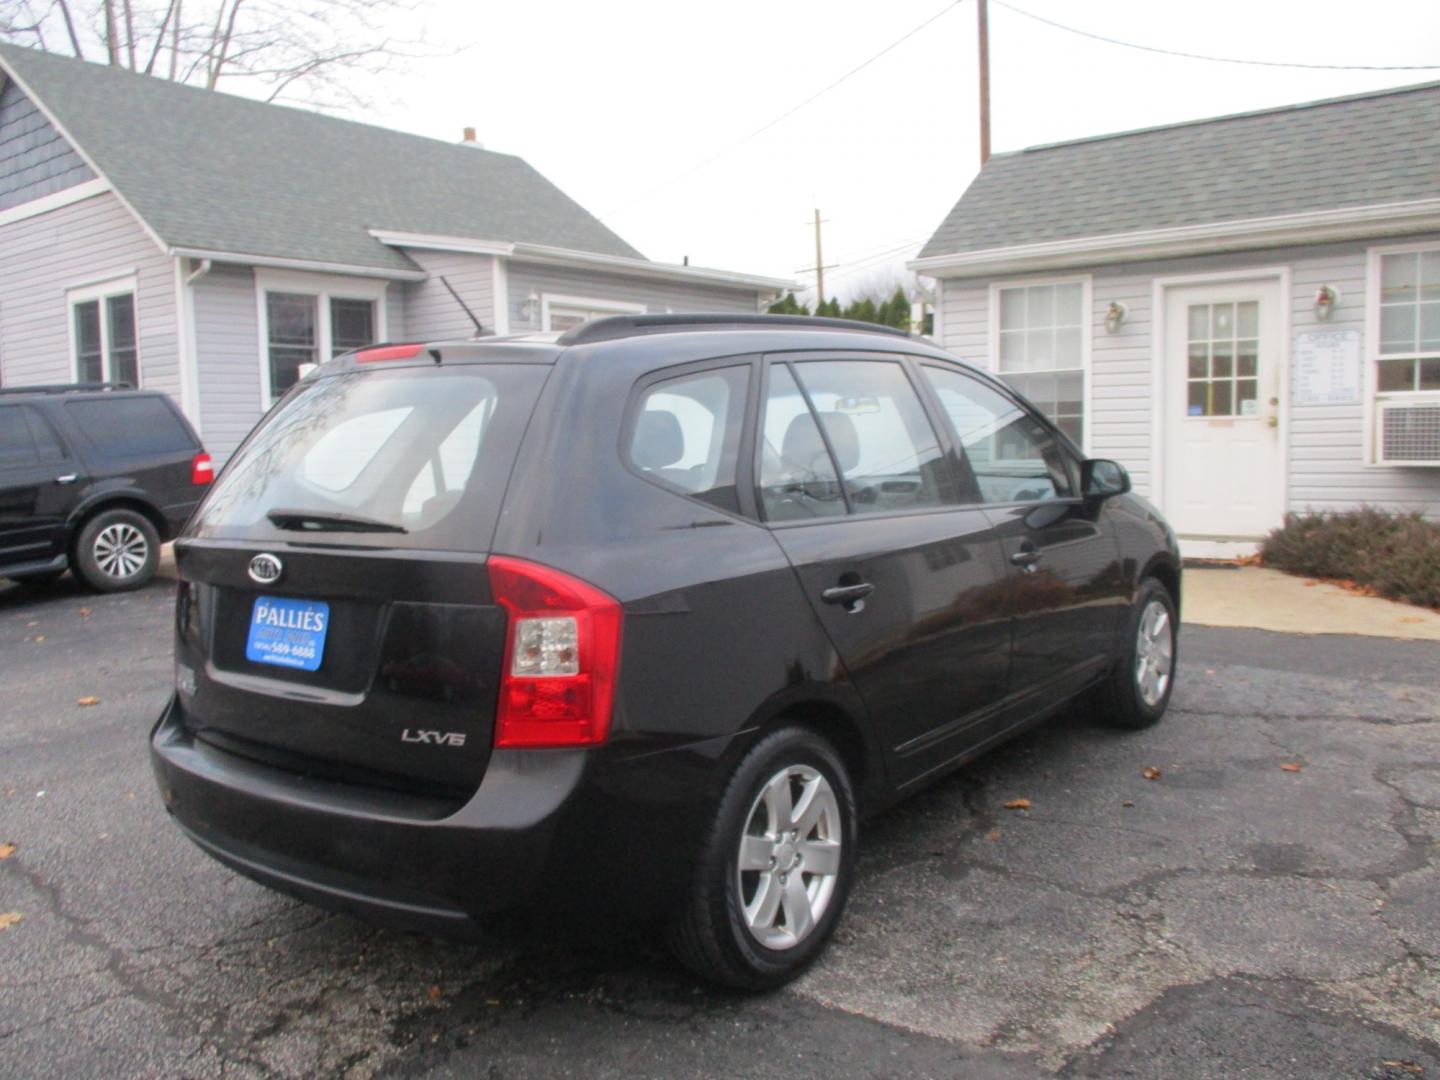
1101 478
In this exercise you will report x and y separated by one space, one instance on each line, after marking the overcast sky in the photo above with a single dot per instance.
618 102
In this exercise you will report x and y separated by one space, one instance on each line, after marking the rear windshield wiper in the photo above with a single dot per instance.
320 521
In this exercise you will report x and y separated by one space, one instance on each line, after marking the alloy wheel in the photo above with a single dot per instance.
121 550
1154 653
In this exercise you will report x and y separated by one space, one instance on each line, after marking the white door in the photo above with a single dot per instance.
1220 419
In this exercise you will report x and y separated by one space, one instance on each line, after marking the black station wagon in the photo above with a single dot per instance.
644 617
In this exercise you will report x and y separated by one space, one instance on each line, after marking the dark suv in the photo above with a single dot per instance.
93 477
647 616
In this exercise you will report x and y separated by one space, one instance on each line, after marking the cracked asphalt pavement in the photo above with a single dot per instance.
1231 918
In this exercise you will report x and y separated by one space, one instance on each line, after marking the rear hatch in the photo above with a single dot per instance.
334 615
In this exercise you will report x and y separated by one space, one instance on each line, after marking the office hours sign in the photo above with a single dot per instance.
1326 368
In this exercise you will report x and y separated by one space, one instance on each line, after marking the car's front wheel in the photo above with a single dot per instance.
117 550
1138 690
774 870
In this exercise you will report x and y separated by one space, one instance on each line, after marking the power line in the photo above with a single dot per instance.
785 115
1213 59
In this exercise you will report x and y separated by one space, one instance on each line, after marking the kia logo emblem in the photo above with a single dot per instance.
266 569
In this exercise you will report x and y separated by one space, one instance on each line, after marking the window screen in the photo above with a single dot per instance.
130 426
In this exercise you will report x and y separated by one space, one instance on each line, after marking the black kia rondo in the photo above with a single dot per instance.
647 616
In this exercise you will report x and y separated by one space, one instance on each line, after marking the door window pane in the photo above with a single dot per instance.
1011 454
16 446
1223 346
89 352
291 319
687 433
889 456
797 479
352 325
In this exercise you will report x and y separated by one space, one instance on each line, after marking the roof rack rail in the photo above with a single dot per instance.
66 388
622 326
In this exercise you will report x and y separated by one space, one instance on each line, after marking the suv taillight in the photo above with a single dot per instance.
202 469
561 657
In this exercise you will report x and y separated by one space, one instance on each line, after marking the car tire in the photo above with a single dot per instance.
117 550
775 866
1137 691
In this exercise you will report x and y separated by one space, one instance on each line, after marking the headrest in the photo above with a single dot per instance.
802 446
658 441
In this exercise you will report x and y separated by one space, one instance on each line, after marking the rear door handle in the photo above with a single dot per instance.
847 594
1027 557
68 478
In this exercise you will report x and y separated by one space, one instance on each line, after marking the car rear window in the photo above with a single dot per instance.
130 426
423 454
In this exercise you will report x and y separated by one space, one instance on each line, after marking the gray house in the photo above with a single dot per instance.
1245 311
209 245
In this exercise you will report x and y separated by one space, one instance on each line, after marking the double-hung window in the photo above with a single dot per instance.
1042 330
1407 357
104 341
308 321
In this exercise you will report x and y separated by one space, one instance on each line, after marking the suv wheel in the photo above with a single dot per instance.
117 550
1138 690
775 868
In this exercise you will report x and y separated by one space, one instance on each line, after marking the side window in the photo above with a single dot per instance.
47 443
687 433
130 426
797 479
17 448
1013 456
888 454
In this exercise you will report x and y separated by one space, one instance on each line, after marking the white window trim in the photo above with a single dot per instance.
102 291
1087 337
609 307
324 288
1372 395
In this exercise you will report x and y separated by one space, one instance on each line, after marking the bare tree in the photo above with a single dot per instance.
271 49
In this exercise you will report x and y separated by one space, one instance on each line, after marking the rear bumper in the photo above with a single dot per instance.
402 860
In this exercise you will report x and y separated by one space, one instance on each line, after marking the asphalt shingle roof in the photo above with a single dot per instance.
215 172
1358 151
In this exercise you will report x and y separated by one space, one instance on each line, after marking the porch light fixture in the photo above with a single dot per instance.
1326 300
530 307
1115 315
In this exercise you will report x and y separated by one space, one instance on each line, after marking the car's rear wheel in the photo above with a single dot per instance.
117 550
775 868
1138 690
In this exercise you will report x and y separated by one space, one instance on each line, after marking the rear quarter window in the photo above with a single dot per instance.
130 426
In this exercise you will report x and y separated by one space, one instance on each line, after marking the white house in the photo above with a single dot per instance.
1245 311
208 245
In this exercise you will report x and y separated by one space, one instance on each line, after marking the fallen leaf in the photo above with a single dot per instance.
1411 618
1018 804
1291 766
39 638
434 993
1311 584
9 919
85 702
1209 671
993 835
85 613
6 850
1152 773
1405 1066
1127 802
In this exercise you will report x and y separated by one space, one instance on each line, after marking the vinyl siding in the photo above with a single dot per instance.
35 159
227 357
657 296
1326 467
431 313
82 244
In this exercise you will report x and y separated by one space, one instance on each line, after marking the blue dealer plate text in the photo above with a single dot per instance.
290 633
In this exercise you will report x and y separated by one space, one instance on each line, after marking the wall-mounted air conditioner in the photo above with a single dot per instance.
1409 433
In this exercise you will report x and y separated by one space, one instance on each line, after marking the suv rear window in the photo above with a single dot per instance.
130 426
421 453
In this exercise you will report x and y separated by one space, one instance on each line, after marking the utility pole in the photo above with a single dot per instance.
980 9
819 268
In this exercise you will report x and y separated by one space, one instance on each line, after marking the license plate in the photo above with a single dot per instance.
290 633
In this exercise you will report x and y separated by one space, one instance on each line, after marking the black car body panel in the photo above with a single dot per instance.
304 780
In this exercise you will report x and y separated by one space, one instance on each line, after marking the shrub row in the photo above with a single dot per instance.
1397 555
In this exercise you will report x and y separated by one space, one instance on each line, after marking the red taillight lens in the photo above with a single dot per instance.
202 469
561 657
388 352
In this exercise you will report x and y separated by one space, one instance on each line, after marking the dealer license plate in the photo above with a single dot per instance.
290 633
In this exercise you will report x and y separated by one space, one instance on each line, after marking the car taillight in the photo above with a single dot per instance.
561 657
202 469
